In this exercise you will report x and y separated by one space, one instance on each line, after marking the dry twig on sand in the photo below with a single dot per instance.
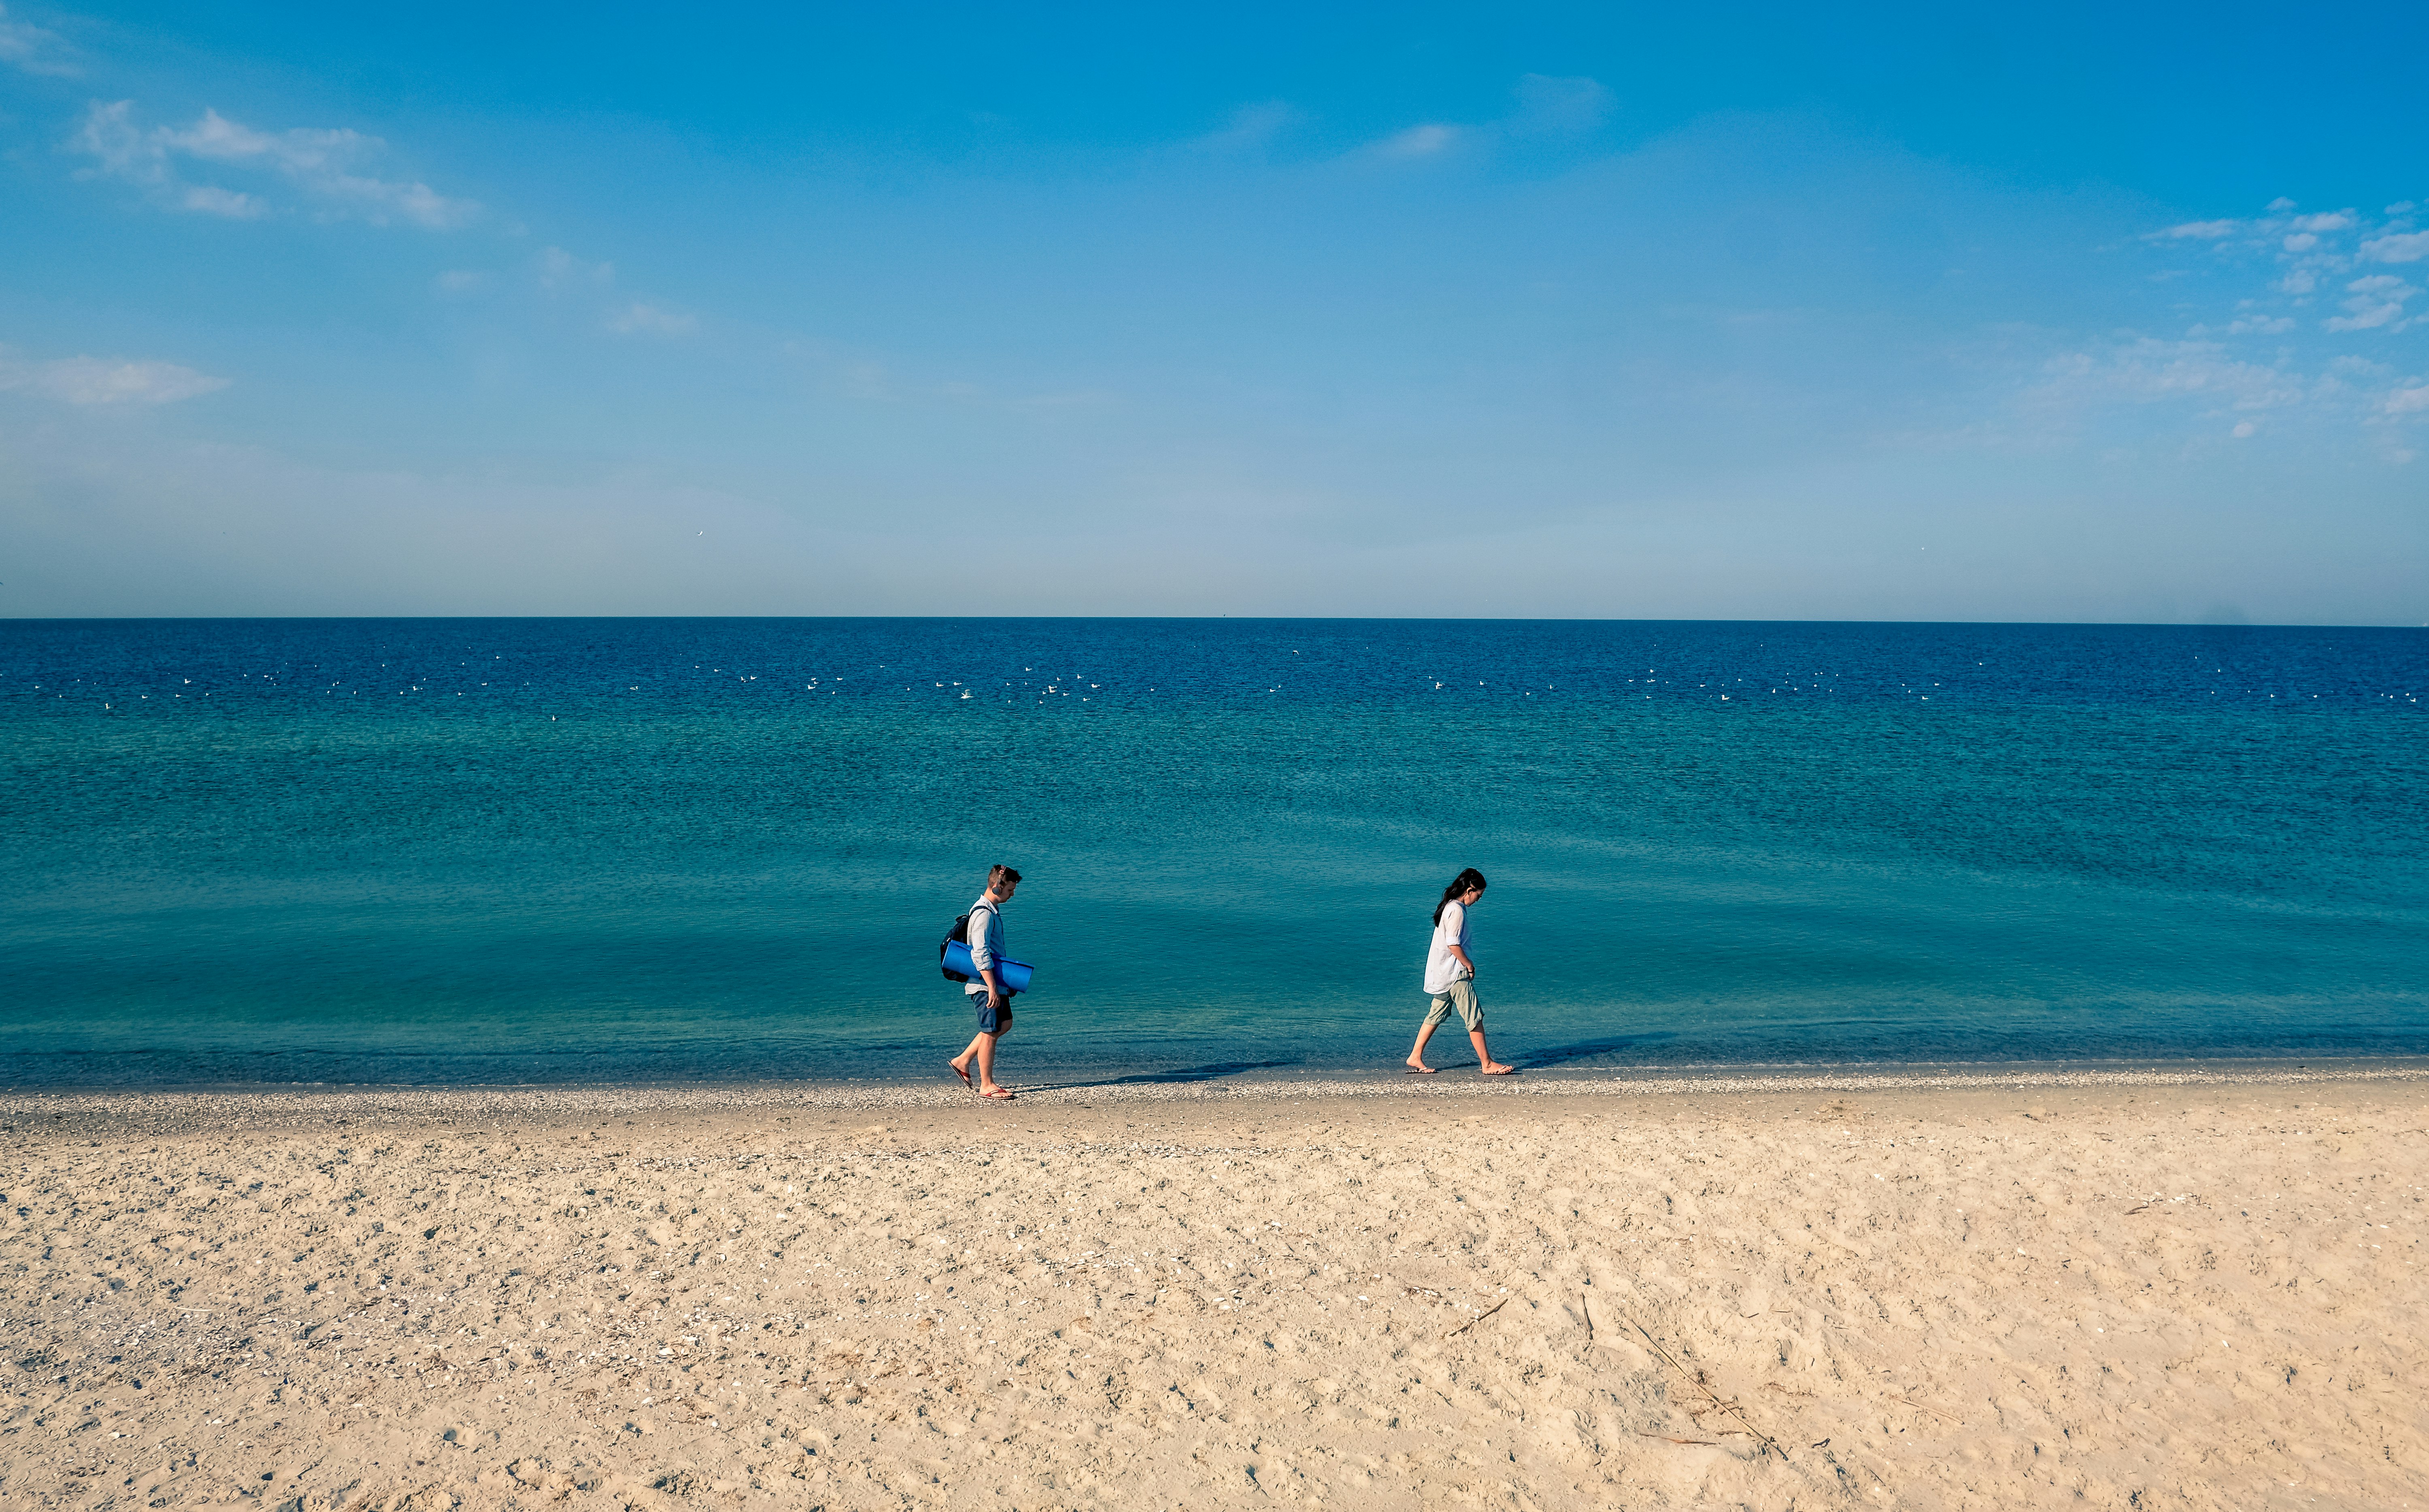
1477 1318
1934 1411
1761 1438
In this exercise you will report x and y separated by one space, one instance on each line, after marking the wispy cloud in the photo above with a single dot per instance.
1547 106
2147 370
33 49
2309 253
1419 141
2222 390
560 269
2294 233
323 171
105 380
233 205
1559 104
1252 127
560 273
2247 325
2407 246
2374 301
643 319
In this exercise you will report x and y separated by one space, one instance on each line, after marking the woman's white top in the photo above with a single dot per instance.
1442 968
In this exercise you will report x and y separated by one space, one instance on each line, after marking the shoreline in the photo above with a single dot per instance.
167 1109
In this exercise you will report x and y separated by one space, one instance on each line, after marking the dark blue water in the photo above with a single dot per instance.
547 850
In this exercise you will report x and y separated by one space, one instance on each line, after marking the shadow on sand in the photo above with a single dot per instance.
1562 1055
1178 1077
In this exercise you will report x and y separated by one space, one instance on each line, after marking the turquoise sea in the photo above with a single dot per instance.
457 850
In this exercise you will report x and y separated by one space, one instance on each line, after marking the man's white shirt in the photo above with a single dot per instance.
986 943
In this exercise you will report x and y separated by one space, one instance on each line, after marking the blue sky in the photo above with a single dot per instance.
1754 313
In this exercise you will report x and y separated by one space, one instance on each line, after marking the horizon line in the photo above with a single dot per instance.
1199 619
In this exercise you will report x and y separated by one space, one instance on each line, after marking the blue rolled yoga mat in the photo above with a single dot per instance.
1014 973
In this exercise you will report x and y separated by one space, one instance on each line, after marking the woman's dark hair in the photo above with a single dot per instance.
1464 880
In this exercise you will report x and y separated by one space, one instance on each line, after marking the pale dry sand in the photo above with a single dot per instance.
2121 1293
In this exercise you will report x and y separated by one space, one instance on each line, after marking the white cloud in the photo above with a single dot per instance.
2211 386
2409 246
33 49
2301 241
1252 126
2280 205
209 199
104 380
110 134
461 280
2196 231
2377 300
2338 221
2245 325
561 270
1419 141
2151 372
2359 369
1548 104
324 167
642 319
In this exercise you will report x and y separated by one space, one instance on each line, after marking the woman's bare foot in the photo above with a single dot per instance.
1496 1068
1418 1068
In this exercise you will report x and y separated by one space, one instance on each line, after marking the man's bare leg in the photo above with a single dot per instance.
982 1050
985 1046
987 1085
1417 1055
1485 1058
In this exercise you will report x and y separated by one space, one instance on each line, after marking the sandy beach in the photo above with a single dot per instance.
2130 1292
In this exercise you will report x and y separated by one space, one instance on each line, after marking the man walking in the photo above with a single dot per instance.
987 991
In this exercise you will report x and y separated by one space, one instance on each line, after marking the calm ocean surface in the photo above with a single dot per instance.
449 850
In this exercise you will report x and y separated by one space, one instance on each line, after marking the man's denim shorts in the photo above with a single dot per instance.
993 1020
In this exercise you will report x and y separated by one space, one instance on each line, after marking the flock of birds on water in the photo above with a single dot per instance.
116 696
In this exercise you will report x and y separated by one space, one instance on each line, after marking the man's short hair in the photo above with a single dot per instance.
1002 874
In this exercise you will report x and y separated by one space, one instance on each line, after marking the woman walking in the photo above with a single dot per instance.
1450 976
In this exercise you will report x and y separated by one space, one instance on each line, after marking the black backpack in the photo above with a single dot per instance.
959 932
